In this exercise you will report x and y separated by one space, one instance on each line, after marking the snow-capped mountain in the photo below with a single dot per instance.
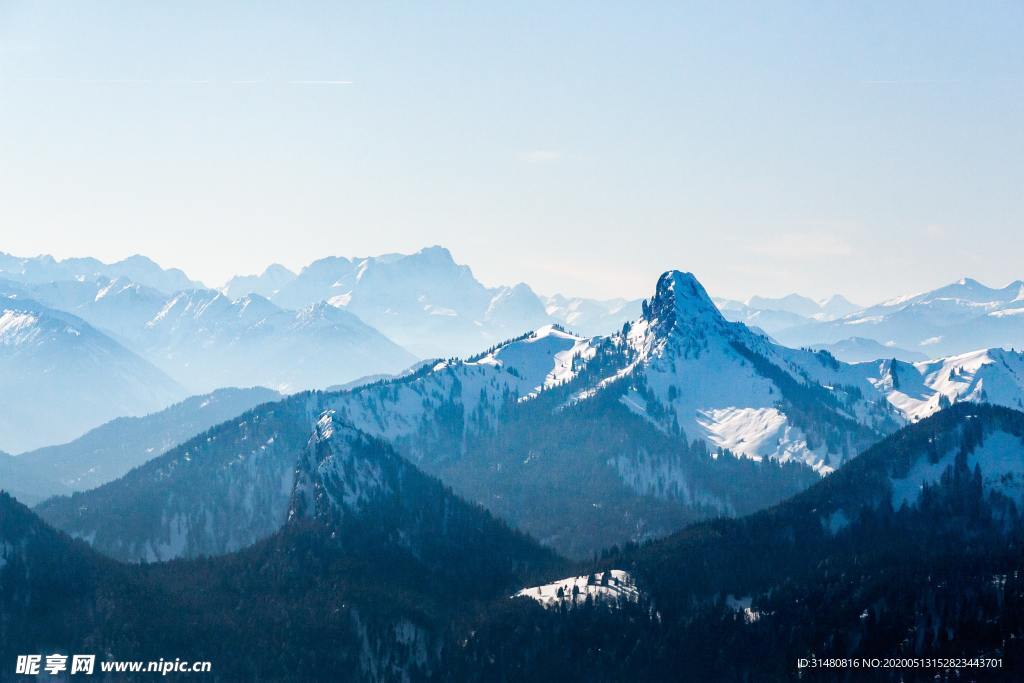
424 301
209 340
59 377
205 339
544 430
921 389
582 441
682 366
42 269
960 317
428 303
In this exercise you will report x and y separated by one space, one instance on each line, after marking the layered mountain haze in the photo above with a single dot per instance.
266 284
59 377
111 450
424 301
428 303
960 317
583 442
702 478
210 341
43 269
862 350
207 340
793 310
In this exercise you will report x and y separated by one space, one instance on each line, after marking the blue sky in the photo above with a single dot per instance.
865 148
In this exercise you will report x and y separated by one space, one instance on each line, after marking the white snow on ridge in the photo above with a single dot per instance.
989 375
541 360
619 586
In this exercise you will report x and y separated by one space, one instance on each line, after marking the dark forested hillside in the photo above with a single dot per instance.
913 549
838 571
361 583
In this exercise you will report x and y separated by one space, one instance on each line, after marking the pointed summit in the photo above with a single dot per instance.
680 300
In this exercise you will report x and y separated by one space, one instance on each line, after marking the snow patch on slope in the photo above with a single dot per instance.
1000 457
618 587
759 433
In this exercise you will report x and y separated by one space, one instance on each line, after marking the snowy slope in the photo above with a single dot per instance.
691 369
476 389
920 389
618 586
999 458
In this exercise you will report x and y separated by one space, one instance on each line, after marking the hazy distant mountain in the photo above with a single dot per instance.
205 339
428 303
791 303
59 377
109 451
773 315
766 320
424 301
40 269
266 284
591 317
861 349
22 481
834 306
209 340
960 317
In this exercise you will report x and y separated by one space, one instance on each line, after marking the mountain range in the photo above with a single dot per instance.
45 268
632 424
960 317
912 549
582 442
671 493
205 340
427 303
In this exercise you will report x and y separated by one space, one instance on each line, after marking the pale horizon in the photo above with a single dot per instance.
800 148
